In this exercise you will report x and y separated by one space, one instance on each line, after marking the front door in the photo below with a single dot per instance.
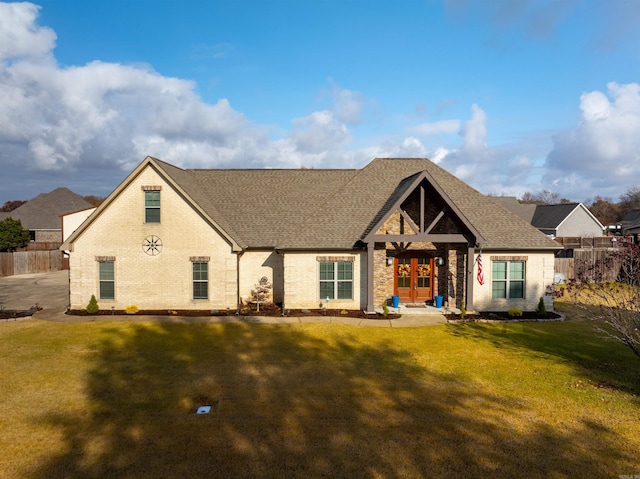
413 278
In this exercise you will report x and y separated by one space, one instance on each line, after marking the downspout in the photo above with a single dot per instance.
284 290
238 256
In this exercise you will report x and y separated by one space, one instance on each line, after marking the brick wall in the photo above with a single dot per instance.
163 281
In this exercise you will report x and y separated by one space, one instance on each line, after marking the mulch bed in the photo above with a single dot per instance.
269 310
10 313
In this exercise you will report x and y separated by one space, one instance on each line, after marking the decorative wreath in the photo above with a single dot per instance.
404 270
424 270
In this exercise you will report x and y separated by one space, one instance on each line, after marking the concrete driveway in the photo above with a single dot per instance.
51 292
48 290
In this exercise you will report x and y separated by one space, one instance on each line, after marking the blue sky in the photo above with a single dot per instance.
508 95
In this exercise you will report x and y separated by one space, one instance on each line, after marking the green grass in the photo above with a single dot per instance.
100 399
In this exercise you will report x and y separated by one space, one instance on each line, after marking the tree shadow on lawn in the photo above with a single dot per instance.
286 403
604 361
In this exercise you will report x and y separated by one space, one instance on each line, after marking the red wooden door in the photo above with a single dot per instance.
414 278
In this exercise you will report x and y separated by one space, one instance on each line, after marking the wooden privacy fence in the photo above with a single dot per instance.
591 264
23 262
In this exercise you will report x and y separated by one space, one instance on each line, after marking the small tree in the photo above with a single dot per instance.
541 310
92 307
261 293
12 235
618 302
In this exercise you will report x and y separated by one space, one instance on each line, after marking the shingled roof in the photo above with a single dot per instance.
523 210
335 208
549 217
44 211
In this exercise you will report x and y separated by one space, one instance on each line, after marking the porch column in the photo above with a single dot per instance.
370 269
469 286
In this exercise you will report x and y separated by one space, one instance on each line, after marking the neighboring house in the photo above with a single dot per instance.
42 214
523 210
170 238
567 220
71 221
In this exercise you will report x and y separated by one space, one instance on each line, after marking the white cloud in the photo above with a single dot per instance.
318 132
437 127
602 153
475 132
19 34
347 105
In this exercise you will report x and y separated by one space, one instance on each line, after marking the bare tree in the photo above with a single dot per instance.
545 197
629 200
261 293
604 209
618 302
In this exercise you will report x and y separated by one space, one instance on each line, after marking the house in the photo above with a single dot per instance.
202 239
567 219
523 210
42 214
71 221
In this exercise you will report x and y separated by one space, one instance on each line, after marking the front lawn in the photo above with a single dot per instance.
102 399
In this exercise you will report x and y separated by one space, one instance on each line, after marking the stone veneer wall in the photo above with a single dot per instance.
449 278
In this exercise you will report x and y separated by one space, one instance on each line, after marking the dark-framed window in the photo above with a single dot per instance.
336 279
200 279
508 279
152 206
107 283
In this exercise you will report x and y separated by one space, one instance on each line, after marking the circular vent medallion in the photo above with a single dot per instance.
152 245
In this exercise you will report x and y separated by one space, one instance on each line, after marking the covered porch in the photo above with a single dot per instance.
420 248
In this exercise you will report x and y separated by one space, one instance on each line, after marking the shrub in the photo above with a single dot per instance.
515 313
541 310
131 309
463 309
92 307
385 309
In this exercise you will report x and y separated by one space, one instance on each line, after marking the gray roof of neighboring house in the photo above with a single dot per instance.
632 217
550 216
523 210
44 211
318 208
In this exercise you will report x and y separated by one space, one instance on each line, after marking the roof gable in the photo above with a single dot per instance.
425 208
551 216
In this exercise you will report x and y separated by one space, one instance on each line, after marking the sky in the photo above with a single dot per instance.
511 96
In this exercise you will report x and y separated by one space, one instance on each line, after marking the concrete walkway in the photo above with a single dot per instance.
50 291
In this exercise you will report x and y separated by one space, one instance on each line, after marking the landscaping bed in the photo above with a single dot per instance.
268 310
12 313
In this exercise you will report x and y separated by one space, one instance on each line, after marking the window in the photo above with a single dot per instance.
152 206
508 279
336 279
200 280
107 282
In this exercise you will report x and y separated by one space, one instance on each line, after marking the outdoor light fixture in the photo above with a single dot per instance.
389 261
439 260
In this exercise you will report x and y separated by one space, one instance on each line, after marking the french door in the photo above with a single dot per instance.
413 278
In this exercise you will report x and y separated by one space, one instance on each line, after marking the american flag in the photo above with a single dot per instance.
480 273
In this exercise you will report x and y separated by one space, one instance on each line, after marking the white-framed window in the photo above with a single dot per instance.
200 279
508 279
152 206
336 279
106 279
